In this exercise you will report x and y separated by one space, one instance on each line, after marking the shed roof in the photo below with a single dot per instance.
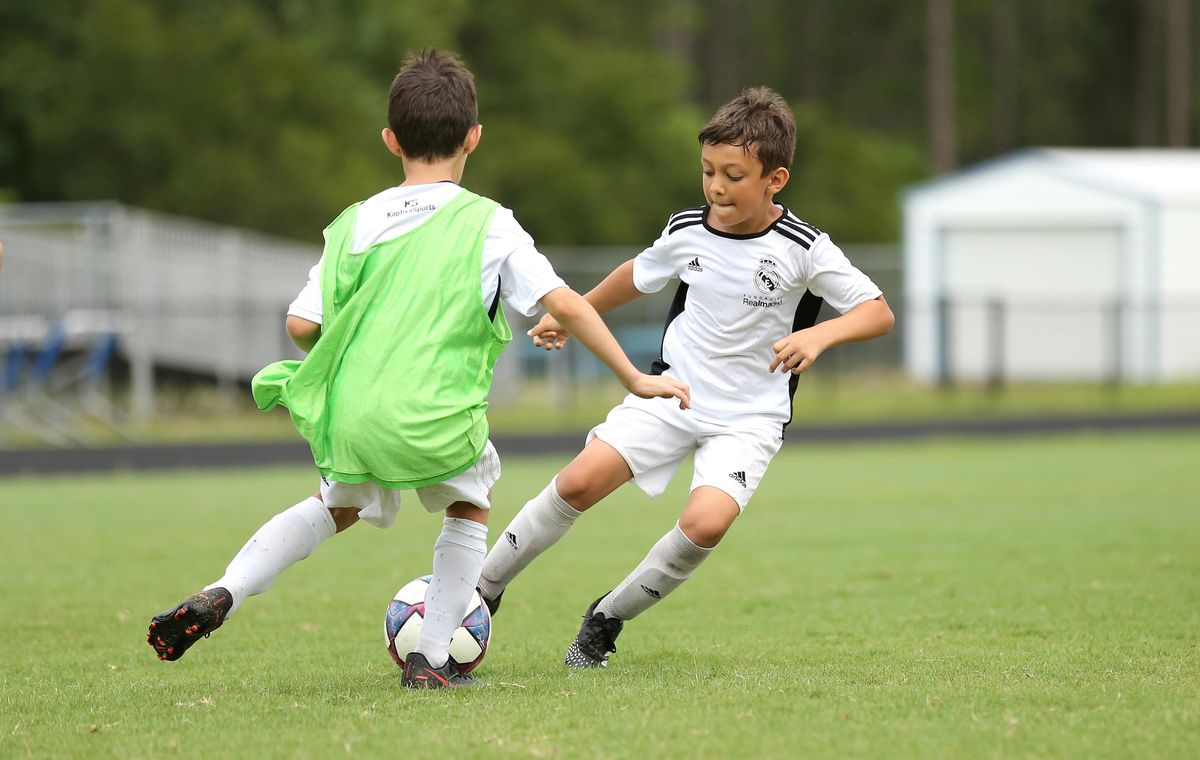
1163 175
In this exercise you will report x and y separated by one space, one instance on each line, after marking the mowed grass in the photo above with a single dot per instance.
940 599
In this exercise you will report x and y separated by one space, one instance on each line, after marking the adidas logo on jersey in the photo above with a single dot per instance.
511 538
694 265
650 591
740 477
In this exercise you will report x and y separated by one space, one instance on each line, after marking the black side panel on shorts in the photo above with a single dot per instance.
658 366
806 316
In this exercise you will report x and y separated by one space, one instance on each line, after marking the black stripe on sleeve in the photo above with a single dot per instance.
658 366
677 226
678 215
804 231
798 222
794 236
685 218
806 316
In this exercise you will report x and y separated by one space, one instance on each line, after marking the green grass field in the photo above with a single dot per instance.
191 415
1023 598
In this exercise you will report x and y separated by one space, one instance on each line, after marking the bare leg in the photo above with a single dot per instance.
596 472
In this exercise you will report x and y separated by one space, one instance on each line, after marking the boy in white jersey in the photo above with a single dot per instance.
740 331
401 323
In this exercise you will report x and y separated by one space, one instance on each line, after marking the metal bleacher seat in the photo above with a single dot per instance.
54 373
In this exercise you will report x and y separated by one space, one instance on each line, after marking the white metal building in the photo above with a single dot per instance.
1056 264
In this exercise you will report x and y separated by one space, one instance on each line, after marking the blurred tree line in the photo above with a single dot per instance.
266 113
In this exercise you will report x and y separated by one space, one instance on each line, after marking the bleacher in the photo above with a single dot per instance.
87 284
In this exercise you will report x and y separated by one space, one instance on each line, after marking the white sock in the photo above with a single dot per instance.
284 540
457 559
543 520
670 562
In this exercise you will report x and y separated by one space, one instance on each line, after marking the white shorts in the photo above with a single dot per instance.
378 505
654 435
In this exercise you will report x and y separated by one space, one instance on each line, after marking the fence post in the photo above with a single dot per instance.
1116 343
995 344
944 334
136 299
229 251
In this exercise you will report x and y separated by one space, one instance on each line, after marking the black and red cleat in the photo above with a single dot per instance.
419 674
173 631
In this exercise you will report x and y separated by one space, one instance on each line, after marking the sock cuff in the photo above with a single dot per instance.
559 504
314 512
685 551
465 533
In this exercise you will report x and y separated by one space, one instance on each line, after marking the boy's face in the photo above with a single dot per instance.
736 190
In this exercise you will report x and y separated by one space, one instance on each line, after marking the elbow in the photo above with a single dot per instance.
885 320
302 331
888 320
565 305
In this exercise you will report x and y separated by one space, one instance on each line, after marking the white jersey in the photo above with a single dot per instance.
510 259
738 295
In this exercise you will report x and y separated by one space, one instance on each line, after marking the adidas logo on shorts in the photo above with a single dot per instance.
650 591
512 538
740 477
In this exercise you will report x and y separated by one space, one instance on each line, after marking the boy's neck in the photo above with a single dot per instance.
760 221
429 172
771 213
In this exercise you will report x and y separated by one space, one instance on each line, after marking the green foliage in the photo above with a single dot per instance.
266 113
840 173
1029 598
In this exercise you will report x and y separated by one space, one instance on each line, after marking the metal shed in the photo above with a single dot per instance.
1056 264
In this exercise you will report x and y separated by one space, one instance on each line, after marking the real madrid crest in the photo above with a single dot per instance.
766 279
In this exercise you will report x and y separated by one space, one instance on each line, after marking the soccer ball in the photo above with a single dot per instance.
403 626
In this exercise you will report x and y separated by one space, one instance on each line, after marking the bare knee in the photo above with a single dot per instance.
596 472
576 490
705 531
464 510
343 517
707 516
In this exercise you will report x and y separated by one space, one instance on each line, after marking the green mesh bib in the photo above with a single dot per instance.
395 391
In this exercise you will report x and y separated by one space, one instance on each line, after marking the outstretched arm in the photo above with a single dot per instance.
615 290
798 351
573 312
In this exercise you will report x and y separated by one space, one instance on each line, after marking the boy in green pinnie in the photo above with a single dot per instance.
402 323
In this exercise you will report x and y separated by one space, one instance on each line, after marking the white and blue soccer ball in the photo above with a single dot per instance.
403 626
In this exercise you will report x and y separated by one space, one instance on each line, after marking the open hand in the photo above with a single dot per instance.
661 386
548 333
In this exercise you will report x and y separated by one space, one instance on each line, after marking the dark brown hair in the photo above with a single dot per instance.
432 105
759 122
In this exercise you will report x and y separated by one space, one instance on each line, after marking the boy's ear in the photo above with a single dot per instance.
474 135
777 178
389 139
